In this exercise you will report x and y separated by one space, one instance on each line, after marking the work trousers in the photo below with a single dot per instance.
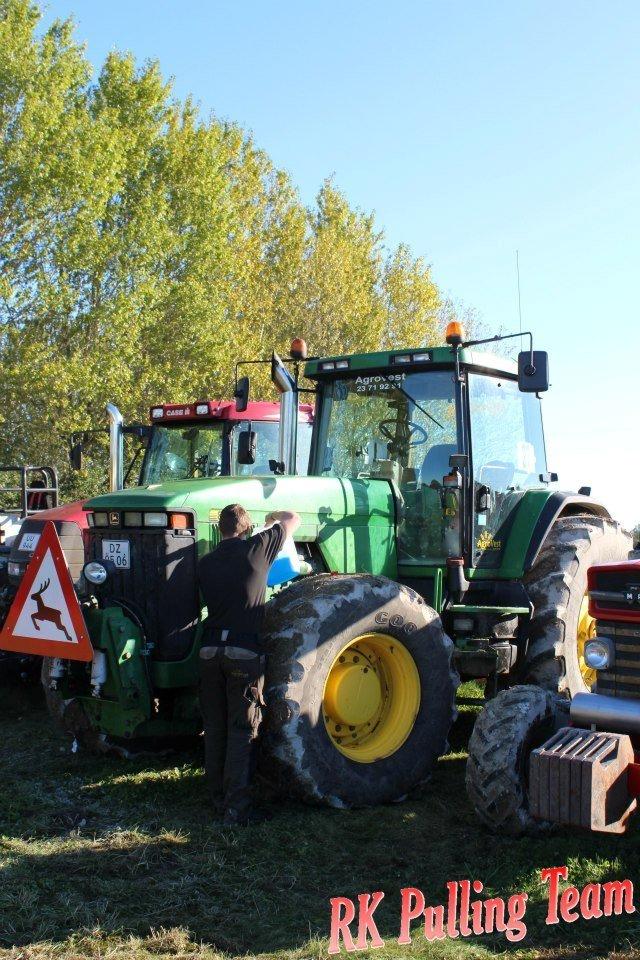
231 682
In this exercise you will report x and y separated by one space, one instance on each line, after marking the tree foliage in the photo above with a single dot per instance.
143 249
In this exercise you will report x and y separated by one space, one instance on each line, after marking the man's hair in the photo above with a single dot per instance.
234 520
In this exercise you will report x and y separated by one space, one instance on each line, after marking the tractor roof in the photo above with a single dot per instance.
222 410
409 358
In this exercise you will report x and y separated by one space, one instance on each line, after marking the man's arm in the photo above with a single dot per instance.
288 520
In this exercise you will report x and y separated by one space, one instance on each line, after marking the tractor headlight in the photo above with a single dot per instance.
598 653
95 572
14 569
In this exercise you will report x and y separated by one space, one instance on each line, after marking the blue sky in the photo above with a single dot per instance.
472 129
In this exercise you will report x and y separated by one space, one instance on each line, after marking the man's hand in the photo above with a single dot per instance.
288 520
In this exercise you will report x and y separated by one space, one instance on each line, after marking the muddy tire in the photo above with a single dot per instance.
510 726
309 626
557 585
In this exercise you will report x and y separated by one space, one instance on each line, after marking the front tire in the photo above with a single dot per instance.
510 726
360 690
557 586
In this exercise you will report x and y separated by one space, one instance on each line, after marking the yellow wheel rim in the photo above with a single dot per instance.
586 630
371 697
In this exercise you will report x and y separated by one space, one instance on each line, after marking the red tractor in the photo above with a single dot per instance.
208 438
536 760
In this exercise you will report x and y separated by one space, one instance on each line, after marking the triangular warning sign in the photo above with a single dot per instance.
45 617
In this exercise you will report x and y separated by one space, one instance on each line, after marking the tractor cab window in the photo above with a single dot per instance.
183 451
399 427
507 444
267 448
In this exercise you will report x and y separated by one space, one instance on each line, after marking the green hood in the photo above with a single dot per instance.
339 514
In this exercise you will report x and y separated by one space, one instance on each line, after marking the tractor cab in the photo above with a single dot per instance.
425 421
214 439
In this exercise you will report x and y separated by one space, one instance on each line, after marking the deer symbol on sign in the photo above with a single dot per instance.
47 614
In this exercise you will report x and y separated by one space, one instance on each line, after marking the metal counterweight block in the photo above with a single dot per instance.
579 778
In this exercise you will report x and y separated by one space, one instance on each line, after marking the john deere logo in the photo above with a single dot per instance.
486 542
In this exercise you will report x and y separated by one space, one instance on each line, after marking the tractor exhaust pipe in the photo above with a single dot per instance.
116 448
607 713
288 433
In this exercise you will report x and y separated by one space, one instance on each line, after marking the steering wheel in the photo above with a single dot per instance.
415 434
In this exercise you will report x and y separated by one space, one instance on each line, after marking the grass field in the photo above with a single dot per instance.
106 859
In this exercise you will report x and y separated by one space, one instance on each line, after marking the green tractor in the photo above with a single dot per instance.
435 546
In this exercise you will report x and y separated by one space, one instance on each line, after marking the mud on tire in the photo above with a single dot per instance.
557 584
307 627
510 726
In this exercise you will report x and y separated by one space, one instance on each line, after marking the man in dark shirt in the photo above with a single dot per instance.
233 581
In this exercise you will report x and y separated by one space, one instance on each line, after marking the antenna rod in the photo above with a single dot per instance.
519 300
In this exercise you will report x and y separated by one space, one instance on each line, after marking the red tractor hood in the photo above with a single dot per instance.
69 512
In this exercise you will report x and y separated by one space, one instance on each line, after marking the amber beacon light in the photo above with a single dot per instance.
454 333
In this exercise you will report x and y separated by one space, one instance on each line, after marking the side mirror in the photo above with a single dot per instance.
242 394
483 499
247 447
76 455
533 371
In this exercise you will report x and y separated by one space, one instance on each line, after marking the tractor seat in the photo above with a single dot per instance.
436 463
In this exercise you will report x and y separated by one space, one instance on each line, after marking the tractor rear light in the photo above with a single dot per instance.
101 519
157 413
179 521
133 519
342 364
202 409
328 365
155 519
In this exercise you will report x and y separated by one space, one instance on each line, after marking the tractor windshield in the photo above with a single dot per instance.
399 427
507 444
182 451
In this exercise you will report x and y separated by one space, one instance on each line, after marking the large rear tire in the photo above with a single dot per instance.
557 586
510 726
360 690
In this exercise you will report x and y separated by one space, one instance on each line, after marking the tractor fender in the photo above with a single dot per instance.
559 504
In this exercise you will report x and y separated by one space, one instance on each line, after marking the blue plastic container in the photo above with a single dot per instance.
286 565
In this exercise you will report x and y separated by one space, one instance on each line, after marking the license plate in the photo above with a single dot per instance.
29 541
118 552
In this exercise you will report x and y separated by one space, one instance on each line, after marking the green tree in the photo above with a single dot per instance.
143 250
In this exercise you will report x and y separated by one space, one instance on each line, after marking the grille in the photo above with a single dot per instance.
160 587
617 589
623 679
70 536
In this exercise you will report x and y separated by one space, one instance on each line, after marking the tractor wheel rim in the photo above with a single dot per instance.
586 630
371 697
